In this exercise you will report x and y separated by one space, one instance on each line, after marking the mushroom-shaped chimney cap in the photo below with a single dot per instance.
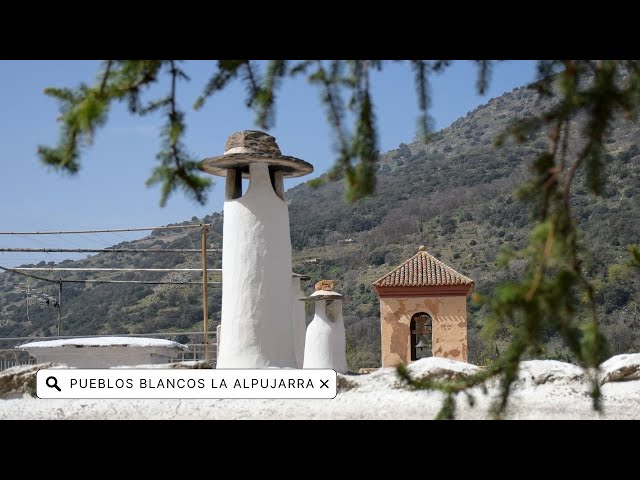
324 291
253 146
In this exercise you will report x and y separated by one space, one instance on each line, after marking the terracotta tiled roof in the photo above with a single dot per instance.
422 270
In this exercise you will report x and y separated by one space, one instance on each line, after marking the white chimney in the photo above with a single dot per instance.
325 345
256 253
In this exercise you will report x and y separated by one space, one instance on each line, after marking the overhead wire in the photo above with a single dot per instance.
110 230
115 232
121 236
32 239
146 282
28 275
106 250
88 238
102 240
64 238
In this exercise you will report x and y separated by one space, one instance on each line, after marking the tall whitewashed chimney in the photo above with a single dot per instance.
256 252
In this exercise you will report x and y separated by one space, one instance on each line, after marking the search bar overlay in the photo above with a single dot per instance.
196 383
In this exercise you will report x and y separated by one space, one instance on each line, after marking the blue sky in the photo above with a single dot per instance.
110 191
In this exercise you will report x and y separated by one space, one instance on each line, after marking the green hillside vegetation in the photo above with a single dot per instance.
455 195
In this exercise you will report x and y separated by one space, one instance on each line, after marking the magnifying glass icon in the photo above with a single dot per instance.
52 382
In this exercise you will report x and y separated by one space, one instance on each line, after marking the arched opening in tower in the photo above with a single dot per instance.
421 336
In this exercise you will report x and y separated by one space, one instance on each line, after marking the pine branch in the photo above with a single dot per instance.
177 170
331 99
227 71
267 98
105 76
424 121
251 77
484 74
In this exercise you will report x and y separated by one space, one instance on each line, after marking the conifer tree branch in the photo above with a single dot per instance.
105 76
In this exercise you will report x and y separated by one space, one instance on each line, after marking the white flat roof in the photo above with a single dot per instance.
106 342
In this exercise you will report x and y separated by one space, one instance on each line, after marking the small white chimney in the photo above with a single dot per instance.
325 345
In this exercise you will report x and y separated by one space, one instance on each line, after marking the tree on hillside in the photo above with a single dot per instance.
553 292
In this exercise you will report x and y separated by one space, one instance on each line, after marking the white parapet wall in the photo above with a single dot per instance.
256 267
105 352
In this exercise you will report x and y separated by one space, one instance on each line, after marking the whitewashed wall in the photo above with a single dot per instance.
298 321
